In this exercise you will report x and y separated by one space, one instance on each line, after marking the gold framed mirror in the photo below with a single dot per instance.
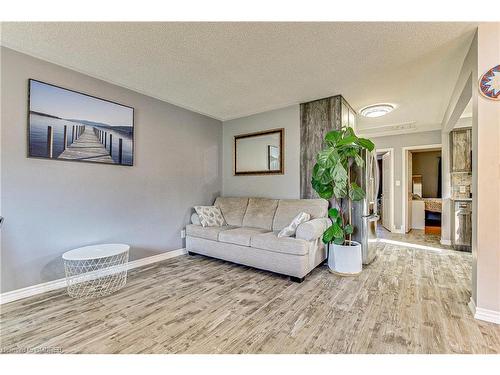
259 153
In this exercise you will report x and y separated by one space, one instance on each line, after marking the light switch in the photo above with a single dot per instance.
398 183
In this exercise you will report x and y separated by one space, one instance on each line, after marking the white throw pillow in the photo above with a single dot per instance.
210 216
289 230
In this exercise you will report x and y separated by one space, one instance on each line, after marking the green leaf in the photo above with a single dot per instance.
359 160
326 179
339 174
316 184
365 143
339 221
347 140
332 137
337 230
339 240
349 132
328 235
327 158
333 213
334 231
321 174
339 191
348 229
325 192
316 170
315 181
355 192
351 150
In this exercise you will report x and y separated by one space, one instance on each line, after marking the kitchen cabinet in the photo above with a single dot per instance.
462 225
461 150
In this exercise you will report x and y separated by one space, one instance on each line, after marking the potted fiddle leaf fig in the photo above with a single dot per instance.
331 178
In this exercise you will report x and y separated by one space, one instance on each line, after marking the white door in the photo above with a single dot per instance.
409 174
386 191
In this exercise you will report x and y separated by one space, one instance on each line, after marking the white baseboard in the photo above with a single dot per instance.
445 242
491 316
29 291
479 313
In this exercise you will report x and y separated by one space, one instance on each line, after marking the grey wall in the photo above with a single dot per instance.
52 206
427 165
286 185
398 142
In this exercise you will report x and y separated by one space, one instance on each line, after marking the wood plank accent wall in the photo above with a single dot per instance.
316 119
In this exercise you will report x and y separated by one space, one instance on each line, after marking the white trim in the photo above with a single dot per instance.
391 152
479 313
396 129
404 181
445 242
32 290
491 316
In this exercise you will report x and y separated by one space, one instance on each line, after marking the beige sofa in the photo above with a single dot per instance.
250 238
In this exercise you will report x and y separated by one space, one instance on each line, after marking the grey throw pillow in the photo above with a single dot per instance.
195 219
290 229
210 216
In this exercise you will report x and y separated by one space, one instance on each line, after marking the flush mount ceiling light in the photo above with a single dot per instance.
377 110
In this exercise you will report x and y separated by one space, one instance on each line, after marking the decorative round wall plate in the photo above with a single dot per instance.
489 84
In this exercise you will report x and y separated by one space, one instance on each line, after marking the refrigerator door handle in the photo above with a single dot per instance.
377 178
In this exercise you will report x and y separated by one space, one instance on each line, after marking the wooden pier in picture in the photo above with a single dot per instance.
87 146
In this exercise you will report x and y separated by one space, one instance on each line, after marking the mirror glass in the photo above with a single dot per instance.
259 153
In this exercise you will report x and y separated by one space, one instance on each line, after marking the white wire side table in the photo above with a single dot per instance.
97 270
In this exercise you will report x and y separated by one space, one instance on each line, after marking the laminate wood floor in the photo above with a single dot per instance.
406 301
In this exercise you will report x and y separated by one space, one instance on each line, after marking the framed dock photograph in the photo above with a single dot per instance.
67 125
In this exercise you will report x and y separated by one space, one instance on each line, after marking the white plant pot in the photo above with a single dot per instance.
345 260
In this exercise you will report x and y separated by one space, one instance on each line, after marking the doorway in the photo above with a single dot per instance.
422 190
385 196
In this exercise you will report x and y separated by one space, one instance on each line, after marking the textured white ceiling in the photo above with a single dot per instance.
230 70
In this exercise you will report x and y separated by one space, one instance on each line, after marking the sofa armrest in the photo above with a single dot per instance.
313 229
195 219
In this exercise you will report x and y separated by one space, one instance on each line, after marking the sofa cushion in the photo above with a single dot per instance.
239 236
289 208
313 229
209 233
288 245
233 209
260 213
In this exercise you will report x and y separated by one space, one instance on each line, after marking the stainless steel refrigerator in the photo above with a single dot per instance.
364 212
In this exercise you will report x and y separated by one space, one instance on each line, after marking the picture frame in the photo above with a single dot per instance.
68 125
257 163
